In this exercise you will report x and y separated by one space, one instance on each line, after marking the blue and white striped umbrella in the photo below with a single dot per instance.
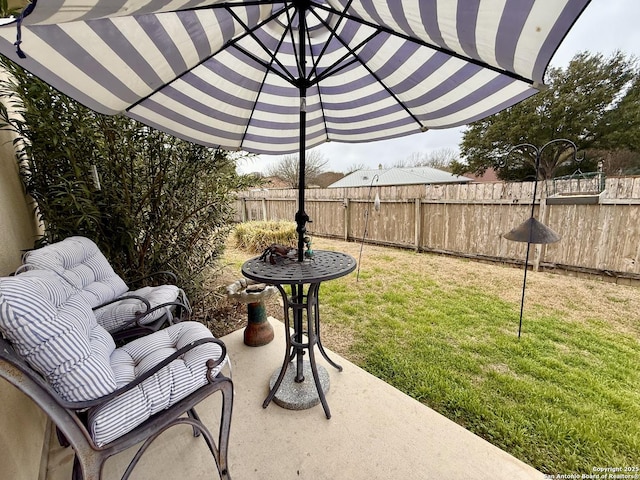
228 73
278 77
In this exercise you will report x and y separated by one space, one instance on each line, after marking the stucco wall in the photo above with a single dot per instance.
22 424
18 228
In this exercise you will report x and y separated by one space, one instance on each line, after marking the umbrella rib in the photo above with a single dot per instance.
298 55
239 3
233 42
267 68
338 65
331 70
266 65
332 32
313 73
253 108
250 32
432 46
386 88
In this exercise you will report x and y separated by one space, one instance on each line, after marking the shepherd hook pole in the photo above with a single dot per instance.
366 222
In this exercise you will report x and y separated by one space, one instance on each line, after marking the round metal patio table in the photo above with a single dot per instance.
323 266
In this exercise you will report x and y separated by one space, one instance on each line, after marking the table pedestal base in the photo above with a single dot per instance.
299 396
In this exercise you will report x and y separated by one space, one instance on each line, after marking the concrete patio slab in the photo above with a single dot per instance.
375 432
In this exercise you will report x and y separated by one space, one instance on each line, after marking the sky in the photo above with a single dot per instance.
604 27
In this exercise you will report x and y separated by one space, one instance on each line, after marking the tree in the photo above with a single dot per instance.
593 102
149 200
288 168
441 159
617 162
400 163
354 167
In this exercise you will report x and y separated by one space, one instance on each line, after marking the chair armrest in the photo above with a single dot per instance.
211 365
126 297
140 316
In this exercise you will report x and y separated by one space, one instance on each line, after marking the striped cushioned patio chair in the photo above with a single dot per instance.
105 399
123 312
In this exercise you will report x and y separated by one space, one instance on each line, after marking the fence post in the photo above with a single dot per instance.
347 218
264 209
543 212
418 225
244 209
543 215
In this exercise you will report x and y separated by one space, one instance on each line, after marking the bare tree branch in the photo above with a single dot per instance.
288 168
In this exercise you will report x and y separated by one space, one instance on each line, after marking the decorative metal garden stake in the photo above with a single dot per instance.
531 230
376 206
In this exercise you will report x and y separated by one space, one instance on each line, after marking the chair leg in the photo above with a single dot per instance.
62 440
220 453
76 473
90 467
193 414
87 468
225 428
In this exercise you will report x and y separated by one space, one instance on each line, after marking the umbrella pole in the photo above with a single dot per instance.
301 217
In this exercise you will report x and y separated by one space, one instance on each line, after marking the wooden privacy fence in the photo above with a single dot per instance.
600 233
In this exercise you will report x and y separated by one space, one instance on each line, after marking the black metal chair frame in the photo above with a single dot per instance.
134 328
89 458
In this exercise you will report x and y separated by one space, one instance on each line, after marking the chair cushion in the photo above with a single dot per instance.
115 315
174 382
53 328
81 263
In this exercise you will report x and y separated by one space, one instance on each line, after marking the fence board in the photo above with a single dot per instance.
327 217
470 220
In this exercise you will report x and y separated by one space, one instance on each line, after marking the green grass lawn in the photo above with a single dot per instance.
564 398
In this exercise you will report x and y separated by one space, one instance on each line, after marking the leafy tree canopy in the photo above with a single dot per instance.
594 102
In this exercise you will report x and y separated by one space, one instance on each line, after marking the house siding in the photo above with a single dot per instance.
23 425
